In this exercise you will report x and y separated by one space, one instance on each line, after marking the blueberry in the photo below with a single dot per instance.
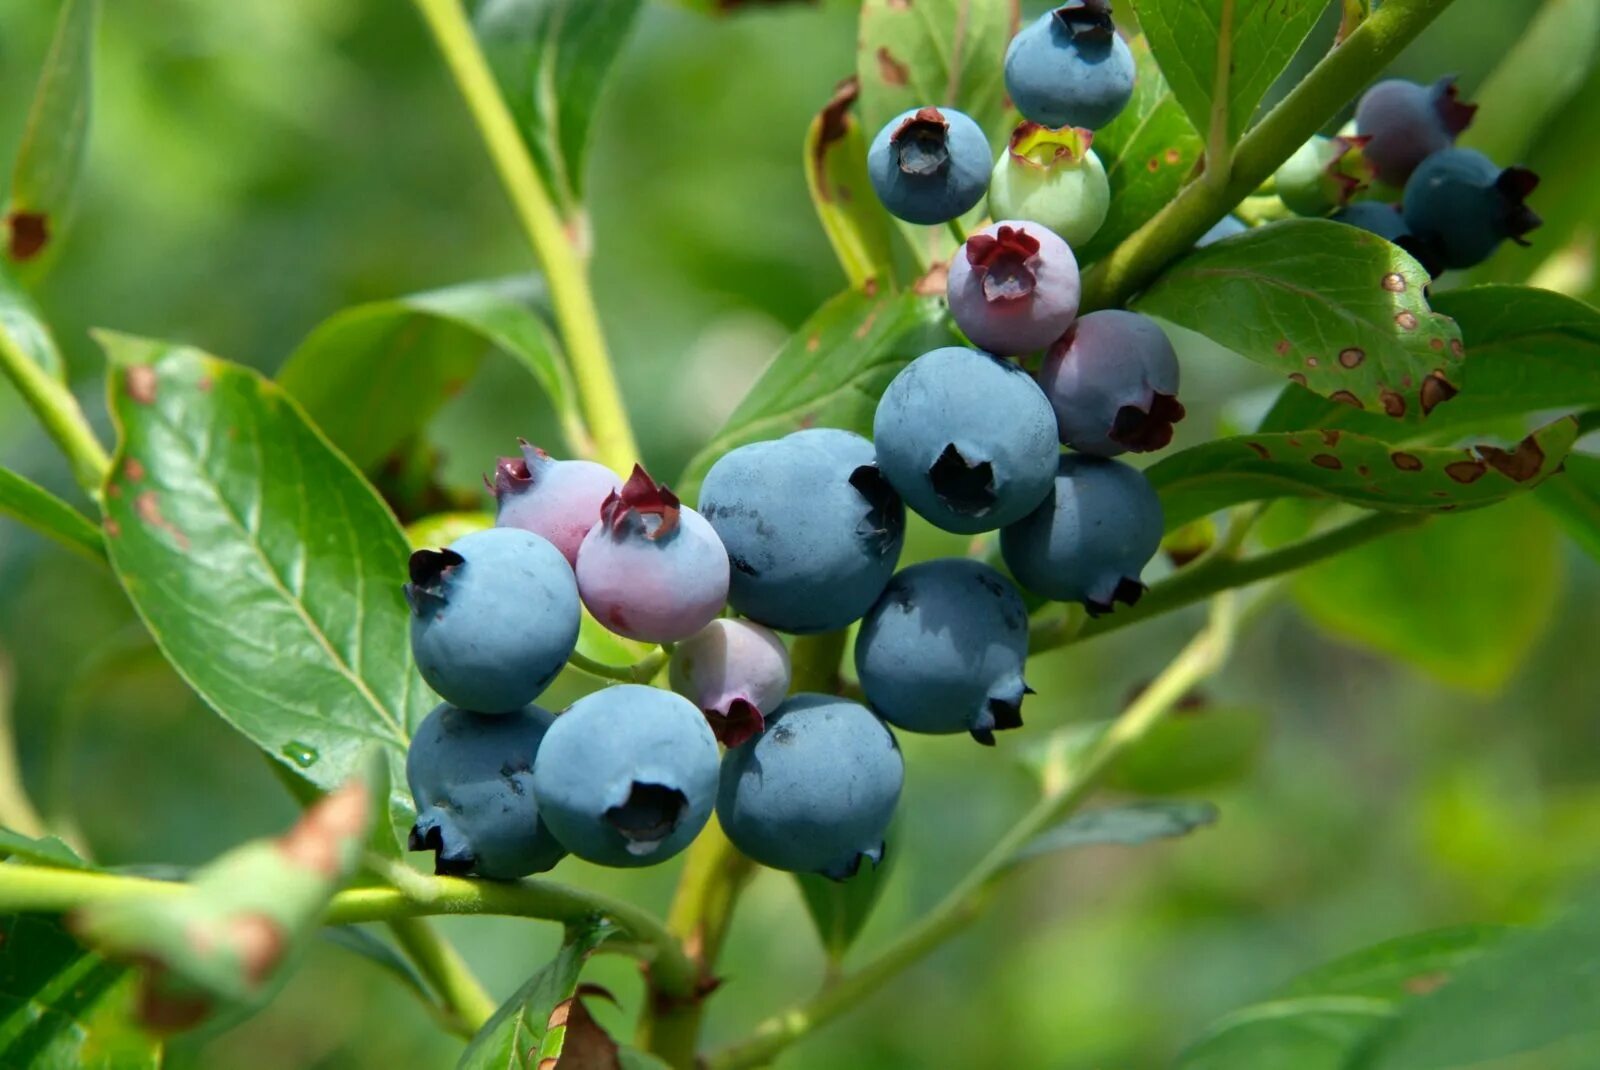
1324 174
943 650
559 500
627 776
814 792
1052 177
736 671
1069 68
1090 538
1224 228
968 439
651 569
493 618
1014 287
1113 381
1405 123
1375 217
1462 206
472 778
929 165
812 529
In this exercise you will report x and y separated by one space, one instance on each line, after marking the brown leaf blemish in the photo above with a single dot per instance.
1466 471
1457 350
1436 390
1261 451
1330 437
833 124
1395 283
1363 471
141 381
1328 461
1282 347
1406 462
1393 403
1436 344
891 70
1406 320
1296 377
148 506
259 941
1519 464
1174 157
1344 397
133 469
113 529
316 841
1312 362
30 233
866 325
813 343
1352 357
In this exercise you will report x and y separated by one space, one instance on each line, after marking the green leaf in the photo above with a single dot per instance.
373 374
934 52
1124 826
1353 468
1533 989
854 219
830 373
265 567
551 58
1334 308
22 321
840 909
1148 151
1320 1018
50 158
1192 750
634 1059
1221 56
1502 573
1535 78
45 851
29 503
64 1008
1573 498
360 942
532 1025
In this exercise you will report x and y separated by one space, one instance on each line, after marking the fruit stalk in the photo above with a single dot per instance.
60 414
1205 654
564 270
1336 79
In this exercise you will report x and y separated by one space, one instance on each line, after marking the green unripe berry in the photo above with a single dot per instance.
1323 175
1051 177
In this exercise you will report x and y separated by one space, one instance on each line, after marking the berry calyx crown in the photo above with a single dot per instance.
1455 113
921 143
1087 21
1046 148
429 570
1515 184
513 475
1000 260
650 504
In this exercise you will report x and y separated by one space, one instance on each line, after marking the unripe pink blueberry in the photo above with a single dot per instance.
1014 287
559 500
736 671
652 569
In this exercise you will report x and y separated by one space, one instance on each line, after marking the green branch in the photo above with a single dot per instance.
464 1003
564 270
1204 655
60 414
1214 574
1330 86
55 891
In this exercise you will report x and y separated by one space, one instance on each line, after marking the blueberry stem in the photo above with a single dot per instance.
1064 790
640 672
58 412
563 266
1337 79
958 232
464 1003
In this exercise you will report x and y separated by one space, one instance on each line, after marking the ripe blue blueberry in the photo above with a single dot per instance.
813 530
1054 178
1385 220
968 439
1113 382
929 165
627 776
1069 68
815 791
559 500
651 569
1462 206
1014 287
1405 123
943 650
493 618
472 778
1090 538
736 671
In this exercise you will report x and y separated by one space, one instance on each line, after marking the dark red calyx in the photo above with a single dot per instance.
1515 184
1144 429
1087 21
921 143
742 721
429 569
1455 113
1128 592
1001 261
513 475
642 499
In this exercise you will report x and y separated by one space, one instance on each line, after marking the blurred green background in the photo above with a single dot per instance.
259 164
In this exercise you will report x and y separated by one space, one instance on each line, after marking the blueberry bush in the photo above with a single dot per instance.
999 440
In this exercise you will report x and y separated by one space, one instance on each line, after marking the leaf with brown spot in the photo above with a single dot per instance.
1352 468
855 221
1319 285
49 162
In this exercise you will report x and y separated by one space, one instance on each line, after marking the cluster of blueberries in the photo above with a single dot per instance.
1395 171
802 535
